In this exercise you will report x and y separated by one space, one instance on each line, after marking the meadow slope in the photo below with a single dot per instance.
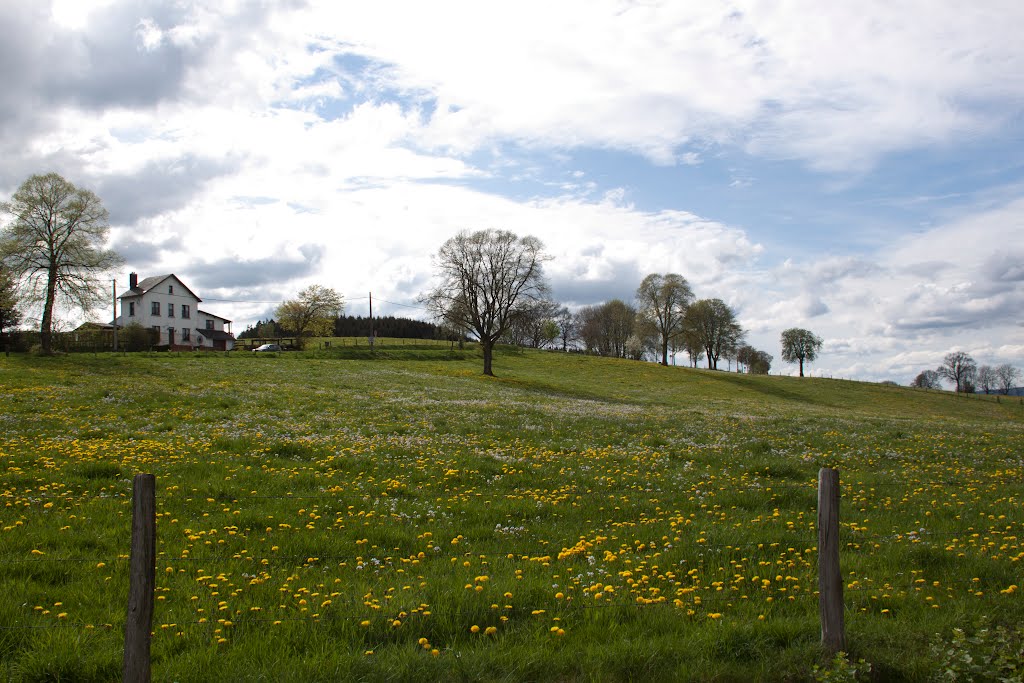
405 518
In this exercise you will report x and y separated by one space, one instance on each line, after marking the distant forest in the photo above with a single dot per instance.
352 326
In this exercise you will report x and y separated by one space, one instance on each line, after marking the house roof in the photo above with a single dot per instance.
151 282
91 326
212 315
216 335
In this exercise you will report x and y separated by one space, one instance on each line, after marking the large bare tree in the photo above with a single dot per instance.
488 279
1007 376
799 345
986 379
662 300
959 368
56 247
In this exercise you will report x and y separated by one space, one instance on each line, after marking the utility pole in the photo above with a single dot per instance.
115 315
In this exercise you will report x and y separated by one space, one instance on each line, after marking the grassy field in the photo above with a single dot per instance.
332 515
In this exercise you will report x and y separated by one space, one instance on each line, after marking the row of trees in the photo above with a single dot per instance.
351 326
961 369
492 287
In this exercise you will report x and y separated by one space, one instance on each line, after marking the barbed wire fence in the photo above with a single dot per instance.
142 559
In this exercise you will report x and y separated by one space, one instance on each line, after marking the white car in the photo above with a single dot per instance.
267 347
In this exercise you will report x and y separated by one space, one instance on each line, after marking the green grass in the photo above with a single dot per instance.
609 520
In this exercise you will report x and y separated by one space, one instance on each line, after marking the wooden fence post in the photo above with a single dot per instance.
830 578
141 580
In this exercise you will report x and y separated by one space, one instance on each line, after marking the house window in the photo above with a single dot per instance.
156 334
131 308
170 310
170 289
186 335
170 335
155 308
209 324
186 311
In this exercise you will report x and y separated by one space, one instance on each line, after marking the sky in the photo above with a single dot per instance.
856 169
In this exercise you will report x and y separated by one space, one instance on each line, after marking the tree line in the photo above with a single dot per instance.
350 326
963 372
491 287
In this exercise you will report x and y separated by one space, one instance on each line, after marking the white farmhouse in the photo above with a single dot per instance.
165 305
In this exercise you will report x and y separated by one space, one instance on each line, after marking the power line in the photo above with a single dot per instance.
346 298
395 303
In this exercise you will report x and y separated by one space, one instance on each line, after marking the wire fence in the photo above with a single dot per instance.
696 601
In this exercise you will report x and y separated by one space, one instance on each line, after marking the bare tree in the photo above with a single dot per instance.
959 368
713 324
927 379
799 345
643 341
534 324
567 328
488 278
605 329
986 378
662 300
1008 376
312 313
55 247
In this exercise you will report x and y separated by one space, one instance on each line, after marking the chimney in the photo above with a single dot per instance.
133 281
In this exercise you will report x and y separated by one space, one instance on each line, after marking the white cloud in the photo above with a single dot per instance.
835 85
897 308
338 144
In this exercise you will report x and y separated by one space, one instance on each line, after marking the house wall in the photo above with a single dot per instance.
168 301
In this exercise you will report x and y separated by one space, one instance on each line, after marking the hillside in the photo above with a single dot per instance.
403 517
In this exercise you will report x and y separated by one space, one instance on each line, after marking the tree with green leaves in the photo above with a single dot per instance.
312 313
755 361
488 279
533 326
689 341
712 323
56 247
662 300
10 316
799 345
